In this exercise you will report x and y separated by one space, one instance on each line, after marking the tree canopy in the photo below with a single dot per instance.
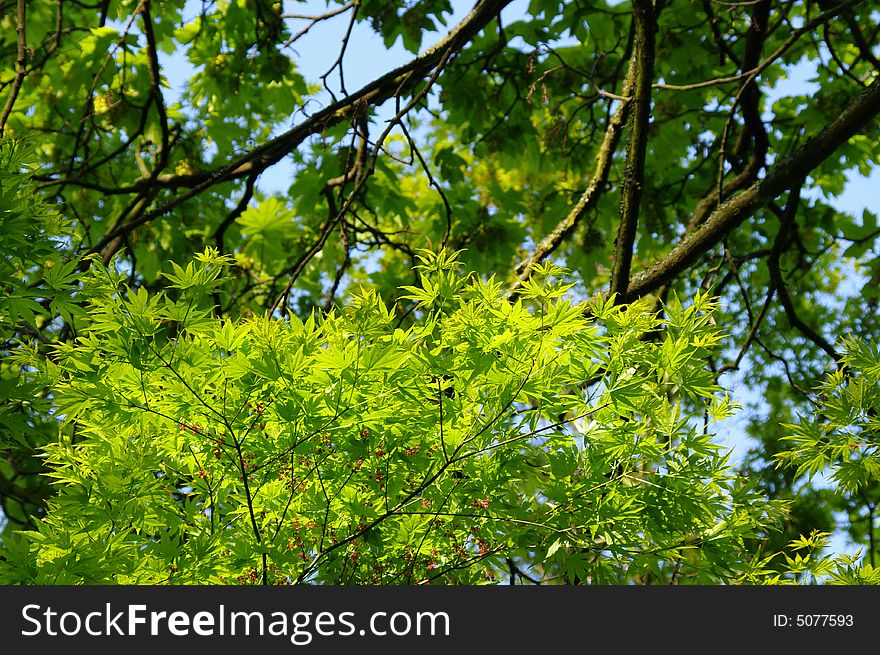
487 326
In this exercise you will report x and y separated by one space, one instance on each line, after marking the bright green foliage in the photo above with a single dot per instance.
840 439
424 258
343 448
807 565
843 434
35 286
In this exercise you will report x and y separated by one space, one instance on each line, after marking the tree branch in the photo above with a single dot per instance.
779 246
796 166
21 62
398 81
781 50
230 218
634 167
591 194
364 174
156 90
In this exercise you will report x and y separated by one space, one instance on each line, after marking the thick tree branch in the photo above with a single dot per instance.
364 174
861 112
634 168
398 81
748 97
749 94
591 194
156 91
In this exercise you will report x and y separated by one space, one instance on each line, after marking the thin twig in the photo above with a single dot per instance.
314 20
